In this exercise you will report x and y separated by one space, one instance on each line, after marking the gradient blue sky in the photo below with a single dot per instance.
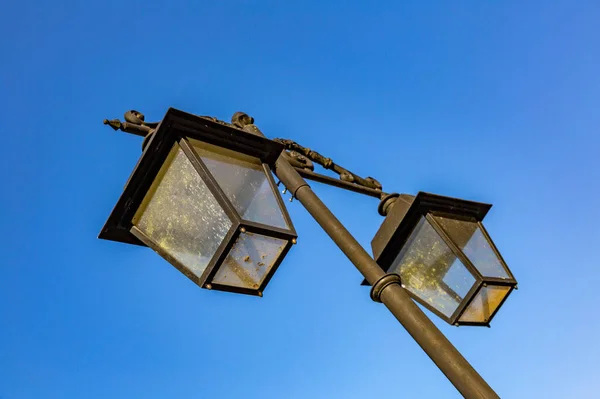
489 101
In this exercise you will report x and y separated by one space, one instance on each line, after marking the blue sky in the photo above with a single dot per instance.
489 101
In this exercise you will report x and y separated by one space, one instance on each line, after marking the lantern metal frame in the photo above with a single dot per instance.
175 129
398 227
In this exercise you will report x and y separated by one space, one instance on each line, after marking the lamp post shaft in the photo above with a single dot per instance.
448 359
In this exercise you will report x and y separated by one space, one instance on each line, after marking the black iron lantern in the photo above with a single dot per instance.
203 197
444 256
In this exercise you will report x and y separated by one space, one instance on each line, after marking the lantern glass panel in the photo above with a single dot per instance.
467 235
431 271
484 304
249 261
180 215
245 183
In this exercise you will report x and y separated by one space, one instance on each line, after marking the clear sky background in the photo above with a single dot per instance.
489 101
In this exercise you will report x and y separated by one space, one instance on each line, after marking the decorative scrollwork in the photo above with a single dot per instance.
245 122
134 124
137 118
303 158
297 155
298 160
327 163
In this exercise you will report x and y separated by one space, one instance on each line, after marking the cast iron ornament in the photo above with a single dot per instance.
298 156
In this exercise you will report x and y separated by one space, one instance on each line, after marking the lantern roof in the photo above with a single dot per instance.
176 125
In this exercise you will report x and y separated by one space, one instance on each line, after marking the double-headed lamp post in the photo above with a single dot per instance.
202 196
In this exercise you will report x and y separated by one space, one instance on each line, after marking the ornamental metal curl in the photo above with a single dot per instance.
327 163
303 158
245 122
135 124
299 157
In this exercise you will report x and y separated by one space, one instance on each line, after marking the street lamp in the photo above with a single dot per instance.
203 197
444 256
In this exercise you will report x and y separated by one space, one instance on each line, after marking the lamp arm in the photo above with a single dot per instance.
301 158
296 149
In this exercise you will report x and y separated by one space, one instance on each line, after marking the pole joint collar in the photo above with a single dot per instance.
383 282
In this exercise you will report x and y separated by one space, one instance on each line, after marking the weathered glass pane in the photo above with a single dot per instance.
470 239
429 269
181 216
249 261
484 304
245 183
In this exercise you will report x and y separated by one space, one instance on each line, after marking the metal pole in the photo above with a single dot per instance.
449 360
